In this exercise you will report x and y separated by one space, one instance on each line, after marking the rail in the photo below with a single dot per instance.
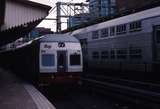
146 92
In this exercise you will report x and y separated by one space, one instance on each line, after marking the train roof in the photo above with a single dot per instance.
58 38
154 12
46 38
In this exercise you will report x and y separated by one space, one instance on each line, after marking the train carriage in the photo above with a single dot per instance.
129 44
51 59
60 59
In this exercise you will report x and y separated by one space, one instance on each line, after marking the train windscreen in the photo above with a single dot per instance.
75 59
48 59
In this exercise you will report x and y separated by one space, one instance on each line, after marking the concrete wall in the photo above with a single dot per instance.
132 4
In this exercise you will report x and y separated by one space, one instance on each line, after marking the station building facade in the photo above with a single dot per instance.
102 8
125 5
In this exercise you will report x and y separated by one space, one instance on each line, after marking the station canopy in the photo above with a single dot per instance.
19 17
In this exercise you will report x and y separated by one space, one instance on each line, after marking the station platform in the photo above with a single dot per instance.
16 94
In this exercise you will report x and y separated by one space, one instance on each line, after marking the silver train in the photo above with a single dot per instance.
51 59
60 59
129 43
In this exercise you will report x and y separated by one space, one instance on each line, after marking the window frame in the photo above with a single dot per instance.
112 54
122 53
112 33
121 29
135 26
135 53
95 55
70 62
157 38
54 62
104 32
95 34
104 54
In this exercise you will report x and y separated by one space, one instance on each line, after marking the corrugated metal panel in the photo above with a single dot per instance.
19 14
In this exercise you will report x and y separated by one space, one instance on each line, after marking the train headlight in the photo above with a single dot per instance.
70 76
52 77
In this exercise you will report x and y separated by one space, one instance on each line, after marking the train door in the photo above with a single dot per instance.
84 45
61 61
157 43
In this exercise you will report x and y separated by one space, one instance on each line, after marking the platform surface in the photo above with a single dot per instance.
17 94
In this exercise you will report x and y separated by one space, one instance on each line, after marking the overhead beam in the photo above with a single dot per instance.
75 4
67 9
50 19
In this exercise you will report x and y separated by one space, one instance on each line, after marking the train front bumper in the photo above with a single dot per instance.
59 78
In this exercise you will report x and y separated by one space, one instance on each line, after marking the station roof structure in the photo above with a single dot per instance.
19 17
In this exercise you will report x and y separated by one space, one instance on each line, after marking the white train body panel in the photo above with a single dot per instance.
52 48
142 39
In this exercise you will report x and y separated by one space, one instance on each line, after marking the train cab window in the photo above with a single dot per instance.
104 32
112 31
48 60
135 26
135 53
112 53
75 59
104 55
121 29
95 55
95 34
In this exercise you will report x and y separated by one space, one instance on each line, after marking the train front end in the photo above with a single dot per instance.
60 61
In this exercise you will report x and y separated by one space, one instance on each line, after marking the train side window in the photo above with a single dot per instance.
104 32
158 36
135 26
75 59
95 34
104 55
135 53
48 59
112 31
121 29
122 54
113 55
95 55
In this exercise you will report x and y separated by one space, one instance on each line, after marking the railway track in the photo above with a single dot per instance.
60 98
142 93
79 99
